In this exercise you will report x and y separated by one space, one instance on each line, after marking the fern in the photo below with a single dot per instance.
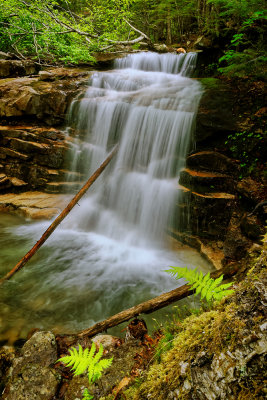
208 288
83 360
87 395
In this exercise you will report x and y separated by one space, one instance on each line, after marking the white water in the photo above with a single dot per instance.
149 109
110 251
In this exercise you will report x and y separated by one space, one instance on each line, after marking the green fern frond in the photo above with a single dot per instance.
87 395
95 371
207 287
83 359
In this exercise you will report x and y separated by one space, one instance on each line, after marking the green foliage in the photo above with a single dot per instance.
246 52
52 31
245 146
165 344
85 360
209 289
87 395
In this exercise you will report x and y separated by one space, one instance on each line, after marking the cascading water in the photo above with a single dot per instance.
148 106
110 251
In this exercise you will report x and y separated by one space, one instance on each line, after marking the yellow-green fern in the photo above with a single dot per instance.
83 360
208 288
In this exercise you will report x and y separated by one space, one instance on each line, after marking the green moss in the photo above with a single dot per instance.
210 83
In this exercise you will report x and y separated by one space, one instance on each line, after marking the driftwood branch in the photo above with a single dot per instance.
60 218
152 305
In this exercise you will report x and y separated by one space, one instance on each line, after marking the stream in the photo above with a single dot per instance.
110 252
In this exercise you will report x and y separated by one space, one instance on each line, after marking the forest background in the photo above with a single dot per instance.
72 31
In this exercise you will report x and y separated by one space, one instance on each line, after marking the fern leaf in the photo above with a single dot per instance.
87 395
216 282
207 287
78 360
226 285
91 371
207 278
209 296
92 352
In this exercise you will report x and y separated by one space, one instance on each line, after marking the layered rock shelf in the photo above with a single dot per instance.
206 204
44 97
33 205
35 158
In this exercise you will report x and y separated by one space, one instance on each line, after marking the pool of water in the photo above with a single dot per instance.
79 278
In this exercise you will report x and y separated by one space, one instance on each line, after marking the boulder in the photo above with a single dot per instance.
32 375
161 48
180 50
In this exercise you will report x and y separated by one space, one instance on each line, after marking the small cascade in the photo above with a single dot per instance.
148 106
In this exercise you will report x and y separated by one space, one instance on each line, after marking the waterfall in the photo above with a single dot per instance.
148 106
110 252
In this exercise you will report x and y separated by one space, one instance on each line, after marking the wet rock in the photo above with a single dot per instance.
35 157
205 182
45 75
215 117
212 161
206 215
210 250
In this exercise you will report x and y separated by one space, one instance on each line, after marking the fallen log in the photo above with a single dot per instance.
60 217
152 305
